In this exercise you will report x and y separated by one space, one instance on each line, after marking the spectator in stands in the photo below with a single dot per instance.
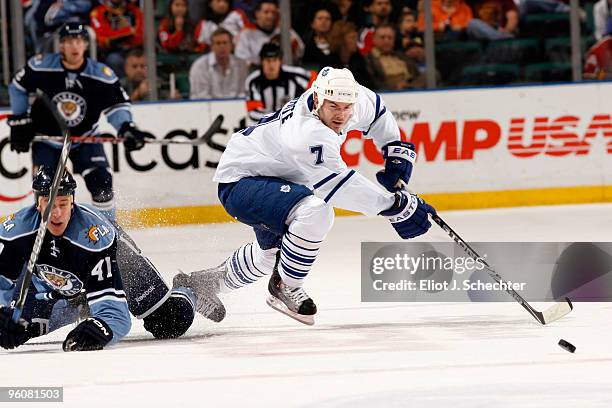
220 13
119 27
410 40
450 18
266 27
378 12
45 16
598 60
135 80
391 70
176 31
408 31
493 19
218 74
343 7
317 49
274 84
601 17
345 52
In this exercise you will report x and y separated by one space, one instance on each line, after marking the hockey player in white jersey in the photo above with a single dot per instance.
285 175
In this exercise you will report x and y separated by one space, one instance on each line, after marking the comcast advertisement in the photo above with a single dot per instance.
467 141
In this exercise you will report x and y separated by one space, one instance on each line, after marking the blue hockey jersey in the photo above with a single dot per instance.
84 258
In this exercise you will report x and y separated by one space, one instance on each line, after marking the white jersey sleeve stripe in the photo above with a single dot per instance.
106 291
106 298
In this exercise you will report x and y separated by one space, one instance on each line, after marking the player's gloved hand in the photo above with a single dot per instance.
90 334
399 158
22 132
134 138
12 334
408 215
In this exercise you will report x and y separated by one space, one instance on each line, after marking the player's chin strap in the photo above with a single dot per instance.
554 312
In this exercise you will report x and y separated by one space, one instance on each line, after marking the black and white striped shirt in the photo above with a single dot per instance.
265 96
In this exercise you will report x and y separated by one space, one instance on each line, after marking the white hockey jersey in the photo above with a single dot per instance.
293 144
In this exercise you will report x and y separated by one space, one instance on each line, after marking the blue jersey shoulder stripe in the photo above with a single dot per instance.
335 189
378 114
325 180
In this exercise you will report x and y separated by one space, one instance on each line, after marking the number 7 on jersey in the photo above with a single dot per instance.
318 152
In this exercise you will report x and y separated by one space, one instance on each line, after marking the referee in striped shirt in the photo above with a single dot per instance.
274 84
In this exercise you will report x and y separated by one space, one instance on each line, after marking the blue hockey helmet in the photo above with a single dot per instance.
73 30
41 185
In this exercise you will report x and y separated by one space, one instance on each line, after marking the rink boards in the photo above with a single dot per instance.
477 148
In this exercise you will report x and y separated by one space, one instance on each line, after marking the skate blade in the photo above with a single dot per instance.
277 305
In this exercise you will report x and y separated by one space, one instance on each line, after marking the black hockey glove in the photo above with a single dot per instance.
399 158
22 132
134 138
408 215
12 334
90 334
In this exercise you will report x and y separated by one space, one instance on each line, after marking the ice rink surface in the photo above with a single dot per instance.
357 354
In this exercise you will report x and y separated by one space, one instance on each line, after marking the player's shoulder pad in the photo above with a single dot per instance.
367 96
46 62
89 229
23 222
99 72
304 129
369 106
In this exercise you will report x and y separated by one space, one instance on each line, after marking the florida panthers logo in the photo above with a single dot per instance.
95 232
8 223
71 106
59 280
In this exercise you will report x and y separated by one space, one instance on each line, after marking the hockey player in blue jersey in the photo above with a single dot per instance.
82 89
284 176
87 266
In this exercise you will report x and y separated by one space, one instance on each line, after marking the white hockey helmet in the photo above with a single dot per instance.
336 85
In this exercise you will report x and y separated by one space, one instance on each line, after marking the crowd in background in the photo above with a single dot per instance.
217 44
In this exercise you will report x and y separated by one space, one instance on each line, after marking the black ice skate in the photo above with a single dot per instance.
205 284
294 302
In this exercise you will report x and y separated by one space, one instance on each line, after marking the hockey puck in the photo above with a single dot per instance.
567 346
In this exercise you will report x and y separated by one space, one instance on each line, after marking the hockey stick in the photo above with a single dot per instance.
205 139
554 312
42 228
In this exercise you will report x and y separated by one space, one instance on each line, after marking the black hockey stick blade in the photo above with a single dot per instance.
214 127
42 227
554 312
